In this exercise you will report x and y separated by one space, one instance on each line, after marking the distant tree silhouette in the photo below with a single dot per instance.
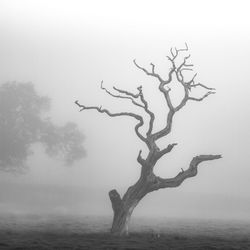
23 123
148 181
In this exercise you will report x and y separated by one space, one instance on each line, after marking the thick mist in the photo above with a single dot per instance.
66 48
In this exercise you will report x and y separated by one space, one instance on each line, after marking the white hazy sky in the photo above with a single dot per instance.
67 47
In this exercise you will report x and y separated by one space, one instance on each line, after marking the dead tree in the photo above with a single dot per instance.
148 181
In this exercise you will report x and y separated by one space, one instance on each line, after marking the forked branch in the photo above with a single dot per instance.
131 96
187 87
152 73
122 97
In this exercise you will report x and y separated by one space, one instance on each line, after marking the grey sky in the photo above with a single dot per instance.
67 47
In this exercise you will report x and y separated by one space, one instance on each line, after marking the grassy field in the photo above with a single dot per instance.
64 232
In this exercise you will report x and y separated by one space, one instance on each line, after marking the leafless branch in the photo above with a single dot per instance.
167 129
184 63
122 97
203 86
100 110
127 92
150 113
184 100
190 172
140 159
165 89
203 97
192 80
144 106
152 73
174 56
166 150
130 96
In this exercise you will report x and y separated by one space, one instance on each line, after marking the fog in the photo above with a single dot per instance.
65 48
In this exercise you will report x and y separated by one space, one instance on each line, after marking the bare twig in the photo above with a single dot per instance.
126 92
202 85
122 97
149 73
201 98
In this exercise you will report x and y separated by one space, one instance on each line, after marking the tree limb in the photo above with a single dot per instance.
100 110
140 159
150 113
201 98
152 73
190 172
202 85
166 150
130 96
127 92
167 129
122 97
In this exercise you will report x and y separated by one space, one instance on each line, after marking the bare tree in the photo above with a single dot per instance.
148 181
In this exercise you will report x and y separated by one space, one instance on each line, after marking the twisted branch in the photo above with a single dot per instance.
183 175
100 110
132 96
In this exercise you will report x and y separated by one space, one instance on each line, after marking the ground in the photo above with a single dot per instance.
64 232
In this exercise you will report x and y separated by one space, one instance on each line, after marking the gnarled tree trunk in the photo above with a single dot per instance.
123 208
148 182
122 214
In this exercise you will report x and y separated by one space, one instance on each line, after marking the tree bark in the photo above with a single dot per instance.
121 221
123 208
122 213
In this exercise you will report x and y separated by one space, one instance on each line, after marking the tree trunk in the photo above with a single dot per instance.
123 208
122 212
121 221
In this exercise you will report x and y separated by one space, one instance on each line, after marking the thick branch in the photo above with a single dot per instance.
167 129
183 175
166 95
183 101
